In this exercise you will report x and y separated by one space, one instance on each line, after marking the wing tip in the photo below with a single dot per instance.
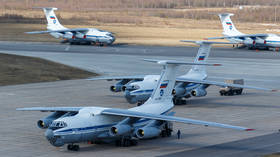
274 90
250 129
217 64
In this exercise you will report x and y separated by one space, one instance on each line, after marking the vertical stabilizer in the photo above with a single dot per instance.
228 26
165 85
53 23
201 57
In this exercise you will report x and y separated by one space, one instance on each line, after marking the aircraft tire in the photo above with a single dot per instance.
73 147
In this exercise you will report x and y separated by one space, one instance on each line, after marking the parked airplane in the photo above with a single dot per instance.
68 125
75 35
252 41
137 89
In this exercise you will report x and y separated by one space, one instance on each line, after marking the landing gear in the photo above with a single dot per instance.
167 130
126 142
139 103
179 101
73 147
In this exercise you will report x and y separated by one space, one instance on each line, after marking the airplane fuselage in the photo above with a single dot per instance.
271 41
92 36
90 125
140 91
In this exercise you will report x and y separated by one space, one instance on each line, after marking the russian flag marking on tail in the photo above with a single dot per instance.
164 84
52 17
228 23
201 58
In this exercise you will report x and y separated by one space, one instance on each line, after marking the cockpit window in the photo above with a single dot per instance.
57 125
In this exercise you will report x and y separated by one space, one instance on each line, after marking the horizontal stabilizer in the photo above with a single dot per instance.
205 42
82 30
136 77
163 62
51 109
240 36
47 8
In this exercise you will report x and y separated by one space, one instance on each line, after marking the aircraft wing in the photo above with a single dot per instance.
110 78
221 84
241 36
135 114
51 109
75 30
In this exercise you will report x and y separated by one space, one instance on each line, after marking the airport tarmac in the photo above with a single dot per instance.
20 136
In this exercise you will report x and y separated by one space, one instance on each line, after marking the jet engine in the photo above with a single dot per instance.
119 85
80 35
45 122
147 132
199 92
68 35
249 41
120 129
179 91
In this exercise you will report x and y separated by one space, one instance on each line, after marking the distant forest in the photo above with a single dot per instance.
101 4
244 10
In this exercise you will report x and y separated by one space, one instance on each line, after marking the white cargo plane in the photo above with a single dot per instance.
137 89
252 41
76 35
69 125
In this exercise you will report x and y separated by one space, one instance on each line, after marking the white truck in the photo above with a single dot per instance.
229 91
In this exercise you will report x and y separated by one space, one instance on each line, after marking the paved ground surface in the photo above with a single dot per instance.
19 135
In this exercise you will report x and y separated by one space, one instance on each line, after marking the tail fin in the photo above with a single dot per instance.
228 26
165 85
201 57
53 23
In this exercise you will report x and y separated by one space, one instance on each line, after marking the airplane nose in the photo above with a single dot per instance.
131 99
55 141
113 38
49 134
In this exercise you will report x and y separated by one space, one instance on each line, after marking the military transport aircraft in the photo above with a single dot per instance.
69 125
252 41
75 35
138 88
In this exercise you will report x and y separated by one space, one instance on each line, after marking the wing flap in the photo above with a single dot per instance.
129 113
135 77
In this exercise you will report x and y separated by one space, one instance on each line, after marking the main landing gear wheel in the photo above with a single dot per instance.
73 147
125 142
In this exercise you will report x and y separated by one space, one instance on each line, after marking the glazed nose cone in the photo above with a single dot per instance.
49 134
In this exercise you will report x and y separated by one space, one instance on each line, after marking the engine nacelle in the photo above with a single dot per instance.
120 129
179 91
46 122
80 35
249 42
68 35
118 87
147 132
260 42
199 92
